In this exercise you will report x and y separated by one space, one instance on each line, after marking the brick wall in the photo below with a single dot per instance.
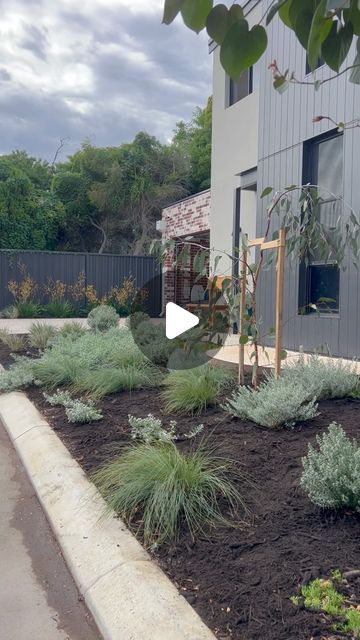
190 216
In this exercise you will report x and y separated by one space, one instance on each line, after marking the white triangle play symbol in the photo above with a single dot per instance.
178 320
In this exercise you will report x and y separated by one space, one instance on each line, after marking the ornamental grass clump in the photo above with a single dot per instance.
331 472
192 391
40 334
163 491
323 379
98 363
103 318
276 402
72 329
13 341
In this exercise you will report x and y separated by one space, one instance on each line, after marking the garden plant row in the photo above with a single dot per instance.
249 500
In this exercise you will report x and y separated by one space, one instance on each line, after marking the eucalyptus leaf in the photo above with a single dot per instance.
320 29
336 46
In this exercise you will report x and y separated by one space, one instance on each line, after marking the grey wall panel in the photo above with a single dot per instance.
285 123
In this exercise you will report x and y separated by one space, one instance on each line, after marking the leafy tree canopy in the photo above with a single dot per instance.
193 139
324 28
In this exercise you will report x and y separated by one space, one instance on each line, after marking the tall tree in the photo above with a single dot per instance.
193 139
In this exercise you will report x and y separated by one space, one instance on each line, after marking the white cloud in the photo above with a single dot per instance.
102 69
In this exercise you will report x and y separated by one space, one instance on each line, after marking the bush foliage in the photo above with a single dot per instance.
323 379
275 403
172 490
103 318
40 333
331 472
192 391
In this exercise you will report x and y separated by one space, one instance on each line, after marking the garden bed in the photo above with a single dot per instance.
240 580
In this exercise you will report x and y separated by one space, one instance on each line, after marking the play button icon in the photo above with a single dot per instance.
178 320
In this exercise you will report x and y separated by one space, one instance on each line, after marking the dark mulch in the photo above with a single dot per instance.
239 580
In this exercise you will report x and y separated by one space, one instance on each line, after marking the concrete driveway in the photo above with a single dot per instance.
38 598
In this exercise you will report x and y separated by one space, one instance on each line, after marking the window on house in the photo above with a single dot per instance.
323 166
239 89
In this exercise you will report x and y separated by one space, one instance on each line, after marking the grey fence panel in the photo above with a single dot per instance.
102 271
106 271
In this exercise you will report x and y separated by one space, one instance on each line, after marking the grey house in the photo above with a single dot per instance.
262 138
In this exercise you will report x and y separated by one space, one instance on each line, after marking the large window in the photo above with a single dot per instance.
239 89
323 166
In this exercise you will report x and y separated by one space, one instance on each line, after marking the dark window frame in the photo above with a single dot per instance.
310 168
231 98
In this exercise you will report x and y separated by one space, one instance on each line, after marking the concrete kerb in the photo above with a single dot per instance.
129 597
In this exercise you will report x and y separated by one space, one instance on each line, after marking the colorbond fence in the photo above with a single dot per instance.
102 271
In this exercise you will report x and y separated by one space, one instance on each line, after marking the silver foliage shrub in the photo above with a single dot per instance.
331 472
323 379
150 430
102 318
76 410
79 411
275 403
20 374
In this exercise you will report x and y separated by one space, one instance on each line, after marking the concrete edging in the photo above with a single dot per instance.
129 597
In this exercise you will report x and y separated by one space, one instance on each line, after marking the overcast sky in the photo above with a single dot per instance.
96 69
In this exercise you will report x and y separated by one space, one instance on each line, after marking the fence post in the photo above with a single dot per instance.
279 303
242 308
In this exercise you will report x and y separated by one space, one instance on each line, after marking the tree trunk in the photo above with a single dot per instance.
104 236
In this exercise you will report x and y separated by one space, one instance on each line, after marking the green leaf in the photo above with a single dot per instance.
301 15
244 339
320 28
217 23
171 9
195 13
266 192
336 46
274 10
283 354
284 13
281 83
353 15
355 73
236 13
242 48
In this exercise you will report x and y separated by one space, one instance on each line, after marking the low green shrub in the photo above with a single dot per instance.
73 329
331 472
323 379
321 595
151 339
108 380
103 318
171 489
20 374
192 391
275 403
29 309
70 361
11 312
59 309
39 335
13 341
